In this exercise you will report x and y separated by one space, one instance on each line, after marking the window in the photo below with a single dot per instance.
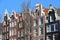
15 22
10 33
7 28
52 27
51 19
0 36
21 32
48 29
49 37
55 37
18 33
41 20
7 35
34 23
12 24
41 30
20 24
35 32
56 27
13 31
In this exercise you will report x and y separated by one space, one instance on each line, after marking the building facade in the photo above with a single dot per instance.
32 25
6 27
1 31
52 26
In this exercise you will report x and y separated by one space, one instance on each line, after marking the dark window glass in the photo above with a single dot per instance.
52 27
36 31
56 37
37 22
41 29
41 20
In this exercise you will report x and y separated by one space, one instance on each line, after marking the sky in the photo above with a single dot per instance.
16 5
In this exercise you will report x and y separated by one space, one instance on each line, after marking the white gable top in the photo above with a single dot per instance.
6 12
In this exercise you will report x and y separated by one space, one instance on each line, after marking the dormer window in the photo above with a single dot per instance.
51 15
38 12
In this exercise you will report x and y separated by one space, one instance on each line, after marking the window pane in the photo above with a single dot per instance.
7 28
48 28
10 32
12 24
20 25
41 19
49 37
35 32
34 23
55 37
52 27
41 30
18 33
56 27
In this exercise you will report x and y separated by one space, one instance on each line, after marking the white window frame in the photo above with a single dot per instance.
12 24
18 33
10 33
20 25
47 29
21 33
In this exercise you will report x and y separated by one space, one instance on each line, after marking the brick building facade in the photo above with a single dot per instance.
25 26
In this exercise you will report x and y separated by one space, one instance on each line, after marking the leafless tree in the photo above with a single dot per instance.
25 6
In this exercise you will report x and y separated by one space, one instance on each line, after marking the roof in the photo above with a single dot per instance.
46 11
58 11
